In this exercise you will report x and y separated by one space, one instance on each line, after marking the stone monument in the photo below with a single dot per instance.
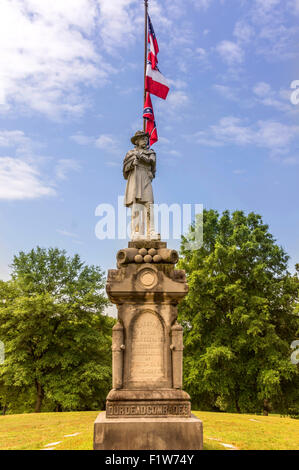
146 408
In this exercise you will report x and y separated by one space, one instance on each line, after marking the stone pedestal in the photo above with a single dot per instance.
147 408
148 433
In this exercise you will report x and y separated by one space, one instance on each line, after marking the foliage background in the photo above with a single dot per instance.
240 318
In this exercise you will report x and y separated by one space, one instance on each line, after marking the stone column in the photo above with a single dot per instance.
117 355
177 355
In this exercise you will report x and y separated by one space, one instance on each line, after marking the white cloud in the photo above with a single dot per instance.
65 233
64 166
272 135
243 31
200 51
265 29
226 91
51 50
201 54
178 83
176 100
104 142
19 180
202 4
263 94
68 11
20 172
174 107
46 53
291 161
231 53
164 140
268 97
174 153
265 6
262 89
275 135
74 237
275 38
107 142
117 21
17 140
238 95
82 139
294 6
229 129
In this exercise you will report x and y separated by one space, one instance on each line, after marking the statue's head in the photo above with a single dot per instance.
140 139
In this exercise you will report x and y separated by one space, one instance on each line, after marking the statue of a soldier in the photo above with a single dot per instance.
139 170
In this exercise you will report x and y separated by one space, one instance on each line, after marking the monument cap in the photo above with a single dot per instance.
139 134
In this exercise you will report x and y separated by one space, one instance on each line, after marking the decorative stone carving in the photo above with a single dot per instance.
133 255
147 278
147 295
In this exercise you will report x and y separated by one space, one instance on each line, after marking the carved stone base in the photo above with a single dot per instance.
148 404
148 433
147 408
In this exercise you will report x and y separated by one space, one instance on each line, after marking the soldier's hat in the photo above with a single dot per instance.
139 134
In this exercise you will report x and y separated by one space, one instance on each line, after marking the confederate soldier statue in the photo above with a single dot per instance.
139 170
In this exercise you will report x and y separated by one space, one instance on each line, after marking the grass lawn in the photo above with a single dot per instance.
244 432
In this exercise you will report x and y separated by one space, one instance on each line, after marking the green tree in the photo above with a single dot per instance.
239 317
57 341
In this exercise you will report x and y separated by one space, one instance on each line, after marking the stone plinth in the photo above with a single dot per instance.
147 400
148 433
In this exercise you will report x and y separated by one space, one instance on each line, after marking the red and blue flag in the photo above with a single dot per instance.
154 48
155 82
148 115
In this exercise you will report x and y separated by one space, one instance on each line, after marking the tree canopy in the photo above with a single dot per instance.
239 317
57 340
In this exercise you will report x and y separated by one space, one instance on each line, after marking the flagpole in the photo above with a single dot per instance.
145 54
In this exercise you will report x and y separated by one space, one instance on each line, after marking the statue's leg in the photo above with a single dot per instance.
142 219
148 220
134 220
150 226
137 221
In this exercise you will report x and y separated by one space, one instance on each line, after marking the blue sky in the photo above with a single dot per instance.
71 91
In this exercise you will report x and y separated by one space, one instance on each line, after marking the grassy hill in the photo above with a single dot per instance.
74 431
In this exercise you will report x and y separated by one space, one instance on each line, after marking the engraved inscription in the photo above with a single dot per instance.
147 348
143 409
